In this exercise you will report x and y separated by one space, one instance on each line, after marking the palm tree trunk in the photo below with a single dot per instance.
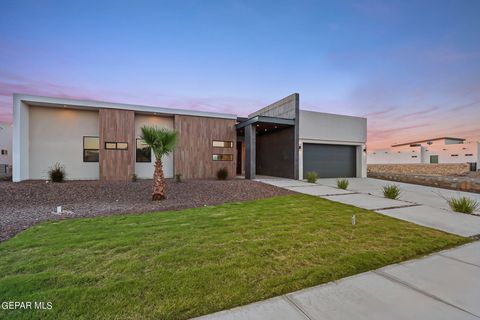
158 182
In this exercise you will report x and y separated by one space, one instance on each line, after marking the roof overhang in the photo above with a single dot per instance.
263 119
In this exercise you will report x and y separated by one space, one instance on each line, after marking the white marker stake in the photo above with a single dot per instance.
354 220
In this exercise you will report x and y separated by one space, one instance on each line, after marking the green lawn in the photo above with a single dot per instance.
176 265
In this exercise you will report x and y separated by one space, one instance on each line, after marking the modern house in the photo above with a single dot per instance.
5 149
437 150
101 140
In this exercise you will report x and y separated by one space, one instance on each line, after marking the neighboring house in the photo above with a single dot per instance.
5 148
438 150
101 140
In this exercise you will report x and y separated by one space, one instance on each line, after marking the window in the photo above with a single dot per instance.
144 152
110 145
222 144
122 146
116 146
4 152
414 156
90 149
468 154
454 155
222 157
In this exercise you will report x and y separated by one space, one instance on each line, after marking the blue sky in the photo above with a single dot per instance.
411 67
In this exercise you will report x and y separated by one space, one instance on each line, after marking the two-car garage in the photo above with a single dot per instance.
330 160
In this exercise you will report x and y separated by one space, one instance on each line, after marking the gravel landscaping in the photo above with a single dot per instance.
27 203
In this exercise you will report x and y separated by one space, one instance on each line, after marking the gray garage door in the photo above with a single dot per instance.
329 160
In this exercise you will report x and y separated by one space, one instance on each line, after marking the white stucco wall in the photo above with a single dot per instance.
144 170
5 144
332 127
326 128
406 154
56 135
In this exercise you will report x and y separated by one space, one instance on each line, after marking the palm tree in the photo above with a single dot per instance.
162 142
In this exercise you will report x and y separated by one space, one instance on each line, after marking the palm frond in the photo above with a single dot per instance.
161 140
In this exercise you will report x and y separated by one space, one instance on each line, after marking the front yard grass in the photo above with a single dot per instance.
181 264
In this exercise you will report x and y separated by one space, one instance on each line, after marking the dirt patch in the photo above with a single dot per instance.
24 204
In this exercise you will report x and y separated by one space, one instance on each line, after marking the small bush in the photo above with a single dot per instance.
463 204
391 191
57 173
222 174
342 184
134 177
178 177
312 177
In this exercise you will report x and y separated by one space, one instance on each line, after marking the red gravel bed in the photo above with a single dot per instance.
24 204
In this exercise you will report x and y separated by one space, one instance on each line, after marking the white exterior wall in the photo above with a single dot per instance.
144 170
406 154
56 135
397 155
6 144
20 140
445 156
326 128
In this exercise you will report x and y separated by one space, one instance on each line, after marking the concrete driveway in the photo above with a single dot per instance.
445 285
422 205
429 196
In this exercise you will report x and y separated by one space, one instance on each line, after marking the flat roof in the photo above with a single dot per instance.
93 104
426 140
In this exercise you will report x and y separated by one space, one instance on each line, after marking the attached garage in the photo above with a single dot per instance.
330 160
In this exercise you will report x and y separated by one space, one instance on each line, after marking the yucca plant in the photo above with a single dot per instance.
391 191
162 142
222 174
312 176
342 184
463 204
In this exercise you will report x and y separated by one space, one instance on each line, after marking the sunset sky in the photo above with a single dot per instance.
411 67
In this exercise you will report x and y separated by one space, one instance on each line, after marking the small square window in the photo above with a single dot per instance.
222 144
222 157
122 146
110 145
4 152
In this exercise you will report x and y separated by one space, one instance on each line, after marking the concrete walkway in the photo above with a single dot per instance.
445 285
422 205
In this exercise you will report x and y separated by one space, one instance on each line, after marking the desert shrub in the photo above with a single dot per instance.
178 177
57 173
342 183
134 177
463 204
312 176
391 191
222 174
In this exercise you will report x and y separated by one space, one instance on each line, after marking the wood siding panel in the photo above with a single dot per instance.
193 155
117 126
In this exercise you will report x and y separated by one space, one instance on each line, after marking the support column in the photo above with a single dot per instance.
250 147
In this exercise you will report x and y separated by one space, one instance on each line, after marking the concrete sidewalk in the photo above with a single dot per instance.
422 205
445 285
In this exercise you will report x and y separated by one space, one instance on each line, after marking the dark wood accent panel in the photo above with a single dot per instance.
117 126
193 155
